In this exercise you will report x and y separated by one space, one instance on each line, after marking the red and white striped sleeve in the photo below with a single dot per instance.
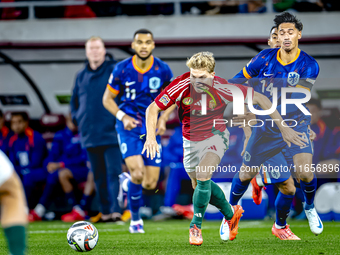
173 91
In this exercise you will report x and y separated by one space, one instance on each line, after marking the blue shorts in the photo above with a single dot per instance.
262 146
131 143
79 173
276 169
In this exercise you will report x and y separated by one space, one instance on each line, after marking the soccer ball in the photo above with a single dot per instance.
82 236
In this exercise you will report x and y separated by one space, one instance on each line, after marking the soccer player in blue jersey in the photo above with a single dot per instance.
135 83
287 66
282 179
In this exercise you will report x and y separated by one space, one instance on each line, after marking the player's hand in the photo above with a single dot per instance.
312 134
151 147
290 136
161 126
244 118
129 122
245 145
52 166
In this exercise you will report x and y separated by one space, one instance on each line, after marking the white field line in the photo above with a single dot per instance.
243 225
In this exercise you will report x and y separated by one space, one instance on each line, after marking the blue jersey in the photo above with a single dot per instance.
267 71
137 89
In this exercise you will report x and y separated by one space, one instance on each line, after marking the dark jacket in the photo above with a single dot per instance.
27 151
95 124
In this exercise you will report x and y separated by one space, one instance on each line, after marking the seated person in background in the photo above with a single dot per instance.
5 134
27 151
66 161
324 156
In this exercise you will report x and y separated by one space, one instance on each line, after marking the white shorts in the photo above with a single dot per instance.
6 168
194 151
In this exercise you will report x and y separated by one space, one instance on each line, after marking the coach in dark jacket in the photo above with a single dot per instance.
97 126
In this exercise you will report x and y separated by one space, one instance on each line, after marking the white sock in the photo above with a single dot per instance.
40 210
279 227
259 181
136 222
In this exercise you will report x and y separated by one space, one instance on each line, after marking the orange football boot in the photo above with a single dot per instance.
233 223
257 191
284 233
195 236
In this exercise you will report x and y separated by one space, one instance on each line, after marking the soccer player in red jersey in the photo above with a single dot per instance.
201 98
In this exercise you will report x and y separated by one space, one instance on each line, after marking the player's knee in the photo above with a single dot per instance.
136 177
150 185
306 176
245 176
288 190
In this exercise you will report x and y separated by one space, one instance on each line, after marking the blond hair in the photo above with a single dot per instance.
202 60
95 38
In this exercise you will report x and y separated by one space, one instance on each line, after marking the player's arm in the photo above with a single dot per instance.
288 134
109 103
161 124
151 145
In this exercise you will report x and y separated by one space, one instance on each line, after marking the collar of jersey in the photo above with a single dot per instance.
137 67
283 63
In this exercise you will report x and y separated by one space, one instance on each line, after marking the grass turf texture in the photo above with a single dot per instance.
171 237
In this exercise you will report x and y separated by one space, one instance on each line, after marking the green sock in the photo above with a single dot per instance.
200 200
218 199
16 237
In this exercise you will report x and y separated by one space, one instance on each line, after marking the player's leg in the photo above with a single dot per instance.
136 168
308 184
302 157
259 149
150 177
283 204
14 213
46 198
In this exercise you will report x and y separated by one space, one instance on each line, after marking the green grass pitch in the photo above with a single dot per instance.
171 237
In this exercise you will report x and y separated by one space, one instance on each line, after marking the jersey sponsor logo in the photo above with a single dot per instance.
293 78
164 100
111 78
187 101
154 83
129 83
247 156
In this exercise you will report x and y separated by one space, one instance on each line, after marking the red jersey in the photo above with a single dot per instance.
196 126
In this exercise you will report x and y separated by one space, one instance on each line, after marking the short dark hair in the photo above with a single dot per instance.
286 17
142 31
270 32
315 101
24 115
